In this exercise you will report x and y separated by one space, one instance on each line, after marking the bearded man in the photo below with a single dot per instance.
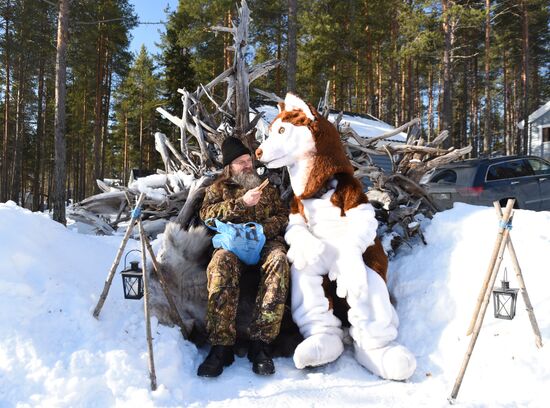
236 197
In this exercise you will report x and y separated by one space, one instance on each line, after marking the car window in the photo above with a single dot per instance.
446 176
507 170
539 166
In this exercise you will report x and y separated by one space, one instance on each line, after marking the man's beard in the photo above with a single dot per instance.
247 179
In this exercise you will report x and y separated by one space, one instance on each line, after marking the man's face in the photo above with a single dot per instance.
242 165
243 173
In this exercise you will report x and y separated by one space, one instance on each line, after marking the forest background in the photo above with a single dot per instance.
475 68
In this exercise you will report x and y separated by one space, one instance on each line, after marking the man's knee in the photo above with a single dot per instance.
223 256
277 260
224 270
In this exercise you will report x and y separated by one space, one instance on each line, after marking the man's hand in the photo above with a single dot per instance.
252 196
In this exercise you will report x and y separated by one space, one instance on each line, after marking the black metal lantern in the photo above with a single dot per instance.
132 279
504 300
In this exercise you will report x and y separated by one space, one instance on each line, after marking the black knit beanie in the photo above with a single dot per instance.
231 149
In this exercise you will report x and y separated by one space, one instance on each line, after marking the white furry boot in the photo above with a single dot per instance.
391 362
317 350
374 326
321 329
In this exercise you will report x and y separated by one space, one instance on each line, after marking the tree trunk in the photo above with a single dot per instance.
525 75
45 161
357 83
475 109
125 164
378 82
410 92
392 85
19 135
505 118
60 93
83 148
107 104
401 108
278 55
418 111
430 103
98 117
447 109
464 109
516 111
141 147
370 97
292 41
487 121
36 203
5 164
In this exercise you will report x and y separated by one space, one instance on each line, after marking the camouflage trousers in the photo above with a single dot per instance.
224 273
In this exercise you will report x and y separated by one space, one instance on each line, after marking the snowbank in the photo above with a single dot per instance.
53 353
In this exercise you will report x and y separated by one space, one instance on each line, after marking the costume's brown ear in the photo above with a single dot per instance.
281 106
292 102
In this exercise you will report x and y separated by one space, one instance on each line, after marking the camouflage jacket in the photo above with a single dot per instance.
224 201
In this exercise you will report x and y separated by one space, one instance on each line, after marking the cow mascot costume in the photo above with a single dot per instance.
332 233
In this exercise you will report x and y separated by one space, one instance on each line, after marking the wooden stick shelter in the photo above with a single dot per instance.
145 248
503 241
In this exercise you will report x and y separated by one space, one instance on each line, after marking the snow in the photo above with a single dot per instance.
154 184
364 127
53 353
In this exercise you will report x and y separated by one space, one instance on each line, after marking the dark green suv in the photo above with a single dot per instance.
483 181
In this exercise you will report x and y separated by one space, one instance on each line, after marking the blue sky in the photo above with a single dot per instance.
149 11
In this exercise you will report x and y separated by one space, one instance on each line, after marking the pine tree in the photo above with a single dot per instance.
137 97
176 58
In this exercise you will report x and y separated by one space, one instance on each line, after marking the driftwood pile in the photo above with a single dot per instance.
206 120
401 202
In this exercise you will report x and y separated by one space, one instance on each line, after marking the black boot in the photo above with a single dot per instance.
218 358
260 355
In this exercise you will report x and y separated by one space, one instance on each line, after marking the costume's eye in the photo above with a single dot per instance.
281 130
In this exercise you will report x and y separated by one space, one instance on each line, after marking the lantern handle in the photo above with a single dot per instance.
133 250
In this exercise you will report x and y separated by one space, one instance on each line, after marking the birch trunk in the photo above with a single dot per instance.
60 91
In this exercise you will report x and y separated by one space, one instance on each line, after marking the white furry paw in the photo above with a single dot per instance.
307 252
350 274
391 362
317 350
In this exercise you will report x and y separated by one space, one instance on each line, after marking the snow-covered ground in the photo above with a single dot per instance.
53 353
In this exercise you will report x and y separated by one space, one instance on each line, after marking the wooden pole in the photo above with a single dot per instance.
112 271
487 289
152 374
523 289
491 267
173 309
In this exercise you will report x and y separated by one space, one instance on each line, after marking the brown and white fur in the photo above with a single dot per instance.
332 232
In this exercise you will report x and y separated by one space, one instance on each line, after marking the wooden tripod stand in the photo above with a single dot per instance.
145 246
503 241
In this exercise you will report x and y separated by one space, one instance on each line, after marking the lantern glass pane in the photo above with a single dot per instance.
133 285
505 303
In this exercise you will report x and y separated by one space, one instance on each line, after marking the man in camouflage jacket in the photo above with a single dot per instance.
237 198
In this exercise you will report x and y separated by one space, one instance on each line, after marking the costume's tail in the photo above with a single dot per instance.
375 257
